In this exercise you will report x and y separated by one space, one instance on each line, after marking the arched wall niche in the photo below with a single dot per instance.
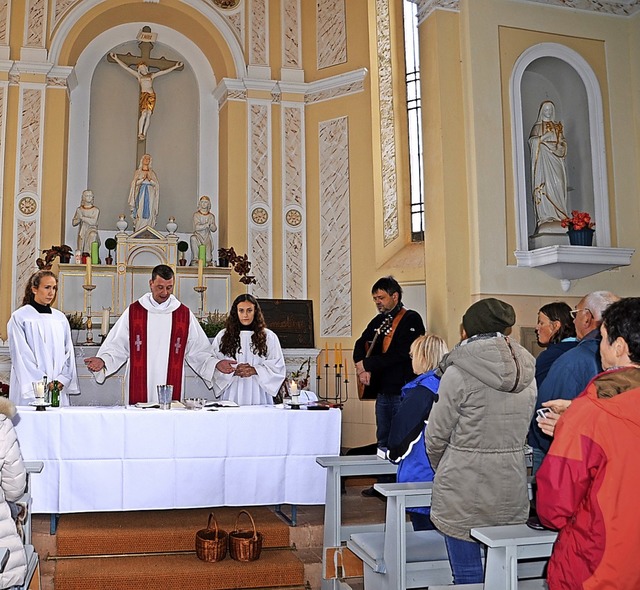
551 71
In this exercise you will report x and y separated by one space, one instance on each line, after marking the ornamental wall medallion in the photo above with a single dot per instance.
27 205
260 216
226 4
293 217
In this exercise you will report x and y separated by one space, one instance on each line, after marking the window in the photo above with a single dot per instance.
414 115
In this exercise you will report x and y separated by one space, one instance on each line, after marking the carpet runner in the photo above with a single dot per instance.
136 552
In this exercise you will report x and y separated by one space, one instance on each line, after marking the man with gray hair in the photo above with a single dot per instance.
570 373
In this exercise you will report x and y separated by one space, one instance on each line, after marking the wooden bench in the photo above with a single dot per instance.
335 533
400 557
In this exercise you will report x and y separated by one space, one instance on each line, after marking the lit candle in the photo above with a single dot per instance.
104 328
39 389
88 274
200 271
293 388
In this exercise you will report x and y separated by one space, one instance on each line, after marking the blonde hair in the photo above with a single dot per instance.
426 352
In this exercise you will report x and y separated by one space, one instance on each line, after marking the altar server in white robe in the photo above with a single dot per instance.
40 342
155 335
250 368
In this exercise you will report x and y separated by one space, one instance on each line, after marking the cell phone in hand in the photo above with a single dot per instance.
542 413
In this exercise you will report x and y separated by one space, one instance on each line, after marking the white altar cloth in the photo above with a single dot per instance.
104 459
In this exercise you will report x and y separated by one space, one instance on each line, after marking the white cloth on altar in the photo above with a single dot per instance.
257 389
40 344
115 349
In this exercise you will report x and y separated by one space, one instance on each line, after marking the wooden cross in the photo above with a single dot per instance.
145 43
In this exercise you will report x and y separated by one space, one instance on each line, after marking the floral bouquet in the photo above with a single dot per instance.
578 220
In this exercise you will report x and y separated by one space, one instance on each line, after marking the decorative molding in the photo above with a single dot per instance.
259 44
294 200
291 34
615 7
36 24
259 197
390 227
427 7
4 22
331 27
335 223
60 7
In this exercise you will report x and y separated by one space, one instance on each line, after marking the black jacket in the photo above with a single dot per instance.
392 369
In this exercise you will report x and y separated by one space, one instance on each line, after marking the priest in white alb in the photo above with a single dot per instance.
156 335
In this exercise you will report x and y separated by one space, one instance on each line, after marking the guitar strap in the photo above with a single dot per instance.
386 341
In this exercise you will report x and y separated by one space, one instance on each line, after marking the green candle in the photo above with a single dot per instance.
202 253
94 253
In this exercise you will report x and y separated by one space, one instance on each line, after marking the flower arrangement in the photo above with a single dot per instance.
4 389
76 320
301 376
241 264
213 323
63 252
578 220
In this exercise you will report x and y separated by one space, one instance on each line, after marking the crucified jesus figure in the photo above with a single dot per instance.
147 94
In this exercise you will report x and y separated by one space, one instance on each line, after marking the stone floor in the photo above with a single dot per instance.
307 535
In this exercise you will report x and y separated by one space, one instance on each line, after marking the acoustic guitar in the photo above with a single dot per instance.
383 329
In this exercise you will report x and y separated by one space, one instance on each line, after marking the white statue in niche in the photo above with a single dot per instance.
548 175
86 217
144 195
204 224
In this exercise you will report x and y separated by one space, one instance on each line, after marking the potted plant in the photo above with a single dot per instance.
111 245
213 323
182 248
62 252
76 322
241 264
579 228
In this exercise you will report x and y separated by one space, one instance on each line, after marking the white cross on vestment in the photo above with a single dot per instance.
138 342
178 346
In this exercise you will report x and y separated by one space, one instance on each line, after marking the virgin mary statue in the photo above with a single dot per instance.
548 175
144 195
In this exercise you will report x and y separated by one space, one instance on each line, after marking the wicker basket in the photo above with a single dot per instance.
211 543
245 545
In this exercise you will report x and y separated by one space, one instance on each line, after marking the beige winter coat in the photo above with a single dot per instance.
13 478
476 435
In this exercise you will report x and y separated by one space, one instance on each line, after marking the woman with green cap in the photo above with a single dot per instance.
476 434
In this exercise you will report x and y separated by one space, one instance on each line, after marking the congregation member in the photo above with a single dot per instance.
250 367
406 437
569 374
476 434
588 483
155 336
40 342
381 355
13 480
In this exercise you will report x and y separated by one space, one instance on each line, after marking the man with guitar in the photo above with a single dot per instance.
381 355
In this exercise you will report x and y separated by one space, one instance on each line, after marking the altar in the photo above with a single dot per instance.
107 459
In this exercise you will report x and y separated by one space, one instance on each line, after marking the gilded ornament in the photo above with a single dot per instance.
259 216
293 217
27 205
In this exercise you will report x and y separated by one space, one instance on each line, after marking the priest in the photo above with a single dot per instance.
156 335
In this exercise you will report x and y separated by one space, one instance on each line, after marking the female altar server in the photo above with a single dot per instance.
251 366
40 342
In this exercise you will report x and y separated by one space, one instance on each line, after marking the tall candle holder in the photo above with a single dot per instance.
340 393
88 289
201 289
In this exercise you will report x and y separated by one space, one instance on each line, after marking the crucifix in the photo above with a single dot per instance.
140 67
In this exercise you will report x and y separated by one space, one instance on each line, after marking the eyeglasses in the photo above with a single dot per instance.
575 312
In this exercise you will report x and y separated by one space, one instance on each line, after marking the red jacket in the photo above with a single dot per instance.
589 488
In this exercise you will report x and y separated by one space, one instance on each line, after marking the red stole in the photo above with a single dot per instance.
138 351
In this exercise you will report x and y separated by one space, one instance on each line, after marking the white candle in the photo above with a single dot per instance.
104 328
293 388
200 271
40 389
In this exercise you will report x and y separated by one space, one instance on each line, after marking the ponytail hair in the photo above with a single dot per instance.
34 283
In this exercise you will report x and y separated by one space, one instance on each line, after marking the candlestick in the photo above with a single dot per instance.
88 289
88 276
200 271
200 289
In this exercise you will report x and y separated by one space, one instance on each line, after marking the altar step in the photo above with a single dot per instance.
155 550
